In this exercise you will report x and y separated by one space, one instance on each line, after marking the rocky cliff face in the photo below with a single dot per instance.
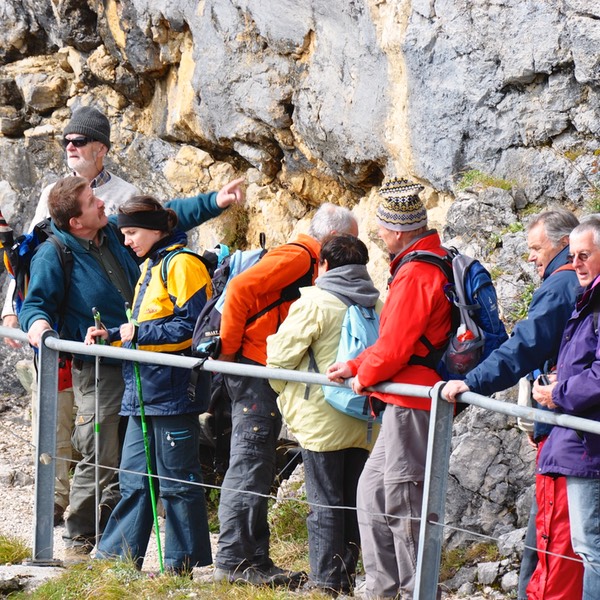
320 101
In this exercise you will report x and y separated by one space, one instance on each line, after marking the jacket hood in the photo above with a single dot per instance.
350 282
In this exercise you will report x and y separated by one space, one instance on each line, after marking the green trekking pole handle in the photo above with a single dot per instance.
138 382
98 325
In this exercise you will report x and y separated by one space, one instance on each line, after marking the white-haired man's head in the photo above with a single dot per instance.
330 220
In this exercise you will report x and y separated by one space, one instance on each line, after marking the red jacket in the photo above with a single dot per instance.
415 306
252 290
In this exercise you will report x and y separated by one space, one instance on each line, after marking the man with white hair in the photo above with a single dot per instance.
574 391
533 348
257 302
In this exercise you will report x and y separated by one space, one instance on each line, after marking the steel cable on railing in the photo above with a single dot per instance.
415 390
280 498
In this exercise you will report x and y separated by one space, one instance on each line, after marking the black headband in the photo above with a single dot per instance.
147 219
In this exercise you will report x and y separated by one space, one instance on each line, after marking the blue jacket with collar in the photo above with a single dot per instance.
90 286
536 339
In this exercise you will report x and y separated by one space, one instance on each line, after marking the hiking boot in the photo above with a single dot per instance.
228 575
274 575
59 515
311 586
271 576
76 554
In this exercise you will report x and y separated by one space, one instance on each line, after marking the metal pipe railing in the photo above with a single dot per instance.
405 389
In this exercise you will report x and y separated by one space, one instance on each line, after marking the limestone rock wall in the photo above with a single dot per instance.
319 101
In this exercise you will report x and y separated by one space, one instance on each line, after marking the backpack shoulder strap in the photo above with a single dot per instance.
307 278
65 255
313 260
283 296
442 262
166 261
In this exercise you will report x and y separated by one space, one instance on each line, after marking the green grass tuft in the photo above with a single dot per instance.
212 509
120 580
466 556
476 178
289 536
13 550
521 308
515 227
574 154
593 204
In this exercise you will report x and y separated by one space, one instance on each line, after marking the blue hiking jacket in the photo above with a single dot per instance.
90 286
535 340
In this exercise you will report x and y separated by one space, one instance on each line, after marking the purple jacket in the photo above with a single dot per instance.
569 452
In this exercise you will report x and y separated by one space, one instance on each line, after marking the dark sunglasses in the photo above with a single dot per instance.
78 142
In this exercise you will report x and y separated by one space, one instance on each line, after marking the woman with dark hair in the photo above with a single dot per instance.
173 287
334 445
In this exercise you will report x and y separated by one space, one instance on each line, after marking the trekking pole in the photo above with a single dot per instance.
99 340
138 382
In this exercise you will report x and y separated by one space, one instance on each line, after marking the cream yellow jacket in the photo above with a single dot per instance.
314 320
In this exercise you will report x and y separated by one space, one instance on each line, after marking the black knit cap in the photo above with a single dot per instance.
89 121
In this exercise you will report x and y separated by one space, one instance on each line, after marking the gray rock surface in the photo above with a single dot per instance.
318 102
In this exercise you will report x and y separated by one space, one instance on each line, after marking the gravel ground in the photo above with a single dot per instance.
17 474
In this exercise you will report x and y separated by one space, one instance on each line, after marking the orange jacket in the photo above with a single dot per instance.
254 289
415 306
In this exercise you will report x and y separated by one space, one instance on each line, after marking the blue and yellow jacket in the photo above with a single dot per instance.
166 313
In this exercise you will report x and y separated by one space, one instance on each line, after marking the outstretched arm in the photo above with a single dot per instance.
198 209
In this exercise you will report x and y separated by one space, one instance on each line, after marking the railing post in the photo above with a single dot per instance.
43 532
434 496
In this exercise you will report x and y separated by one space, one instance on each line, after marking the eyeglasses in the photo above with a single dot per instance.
582 256
78 142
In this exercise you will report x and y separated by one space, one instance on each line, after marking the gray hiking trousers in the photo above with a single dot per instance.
389 499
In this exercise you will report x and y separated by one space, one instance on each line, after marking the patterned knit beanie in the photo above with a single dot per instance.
401 208
90 122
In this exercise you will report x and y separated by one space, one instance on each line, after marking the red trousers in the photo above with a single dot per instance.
554 578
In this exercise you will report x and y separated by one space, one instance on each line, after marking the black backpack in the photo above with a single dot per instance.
205 339
19 254
215 423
